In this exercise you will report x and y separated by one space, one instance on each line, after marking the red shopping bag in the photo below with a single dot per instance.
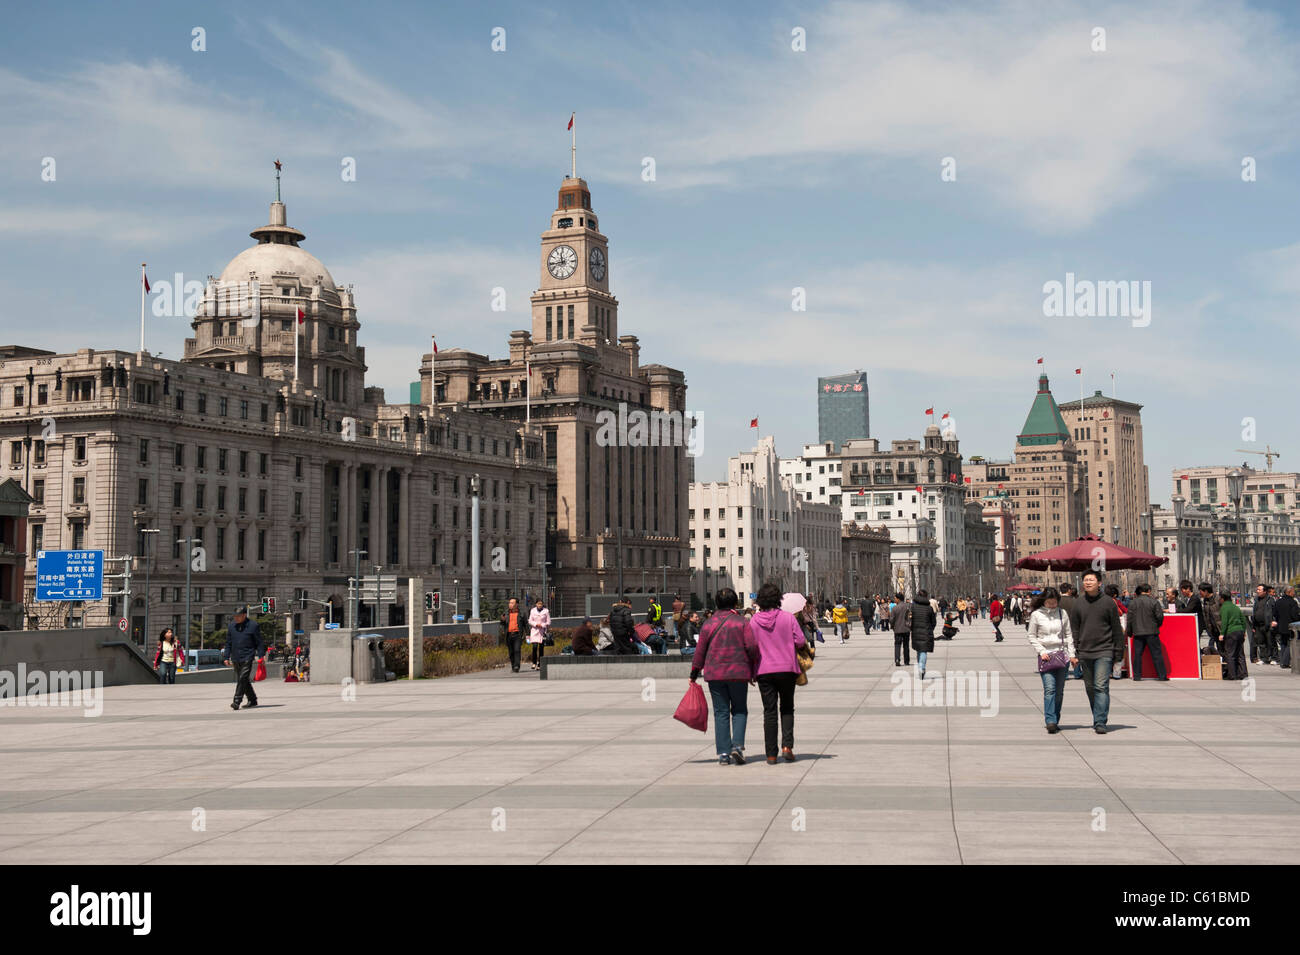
260 672
693 710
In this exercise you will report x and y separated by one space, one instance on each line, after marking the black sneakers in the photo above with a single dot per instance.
1053 728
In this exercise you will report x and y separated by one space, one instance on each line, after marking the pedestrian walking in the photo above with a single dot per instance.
1286 611
900 620
922 623
1099 644
961 610
244 647
512 632
1232 625
840 617
1052 639
1145 615
995 618
727 656
169 654
539 622
779 636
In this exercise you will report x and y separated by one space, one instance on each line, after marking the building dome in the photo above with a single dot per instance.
277 255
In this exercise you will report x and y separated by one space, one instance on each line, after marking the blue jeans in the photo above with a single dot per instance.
920 660
1096 681
730 713
169 672
643 648
657 643
1053 693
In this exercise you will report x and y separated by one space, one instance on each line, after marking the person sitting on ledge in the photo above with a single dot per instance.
582 644
622 628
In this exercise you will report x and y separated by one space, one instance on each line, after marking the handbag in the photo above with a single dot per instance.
805 660
1056 660
260 673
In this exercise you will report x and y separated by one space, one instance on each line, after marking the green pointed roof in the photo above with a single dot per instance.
1044 424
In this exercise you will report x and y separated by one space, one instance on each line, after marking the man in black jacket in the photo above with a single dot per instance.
621 627
1209 625
1099 644
1145 615
1264 627
243 648
1286 611
1188 601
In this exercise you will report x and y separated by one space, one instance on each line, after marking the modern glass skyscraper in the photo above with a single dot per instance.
843 408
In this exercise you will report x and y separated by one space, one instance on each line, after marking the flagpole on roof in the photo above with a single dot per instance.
143 282
528 394
433 379
573 150
277 180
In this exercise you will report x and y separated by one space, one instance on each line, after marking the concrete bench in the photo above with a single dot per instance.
569 666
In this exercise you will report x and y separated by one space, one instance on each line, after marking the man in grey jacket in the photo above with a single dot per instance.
1145 615
899 620
1099 643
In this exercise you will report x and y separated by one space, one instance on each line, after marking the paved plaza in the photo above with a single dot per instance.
501 767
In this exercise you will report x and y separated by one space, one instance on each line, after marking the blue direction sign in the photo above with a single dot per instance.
328 626
70 575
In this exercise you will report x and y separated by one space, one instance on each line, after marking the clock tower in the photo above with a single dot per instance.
573 302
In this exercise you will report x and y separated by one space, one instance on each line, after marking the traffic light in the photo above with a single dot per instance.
270 604
437 599
428 600
266 605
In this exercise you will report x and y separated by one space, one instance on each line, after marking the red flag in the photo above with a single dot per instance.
999 487
435 350
968 480
146 284
918 489
929 411
952 477
570 126
1182 477
753 423
277 165
1040 361
945 416
302 316
1078 371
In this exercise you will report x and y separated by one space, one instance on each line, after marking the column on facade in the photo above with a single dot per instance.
379 515
404 519
347 515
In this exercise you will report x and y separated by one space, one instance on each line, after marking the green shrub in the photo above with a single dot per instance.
451 654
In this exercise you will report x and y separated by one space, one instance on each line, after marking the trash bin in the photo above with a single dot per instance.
364 648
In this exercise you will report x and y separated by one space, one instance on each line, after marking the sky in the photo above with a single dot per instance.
920 171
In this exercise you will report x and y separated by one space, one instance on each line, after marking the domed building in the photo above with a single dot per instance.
269 292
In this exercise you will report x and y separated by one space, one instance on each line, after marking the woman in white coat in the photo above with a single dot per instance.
1050 636
539 621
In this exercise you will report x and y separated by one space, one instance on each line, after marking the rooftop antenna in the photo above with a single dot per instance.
277 180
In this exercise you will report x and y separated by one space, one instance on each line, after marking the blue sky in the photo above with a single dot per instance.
775 169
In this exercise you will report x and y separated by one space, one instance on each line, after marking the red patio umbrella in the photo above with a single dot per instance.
1021 588
1089 551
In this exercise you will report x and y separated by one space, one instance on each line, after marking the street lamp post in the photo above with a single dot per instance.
146 531
189 593
355 602
619 558
1144 520
1236 478
475 547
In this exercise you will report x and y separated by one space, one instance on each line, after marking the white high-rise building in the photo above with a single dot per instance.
754 527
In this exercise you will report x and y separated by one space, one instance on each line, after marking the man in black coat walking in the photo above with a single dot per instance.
922 625
244 647
1286 611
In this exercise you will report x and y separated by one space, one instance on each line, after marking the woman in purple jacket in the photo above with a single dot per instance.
727 655
779 635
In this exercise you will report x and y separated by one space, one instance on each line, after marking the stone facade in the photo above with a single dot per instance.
569 375
1108 435
280 482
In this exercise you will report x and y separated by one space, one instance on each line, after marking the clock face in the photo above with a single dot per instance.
597 262
562 262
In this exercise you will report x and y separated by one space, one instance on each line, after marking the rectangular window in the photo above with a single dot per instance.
144 450
178 494
178 455
222 405
78 490
200 457
199 490
79 449
142 492
203 403
42 394
243 409
221 497
263 463
261 501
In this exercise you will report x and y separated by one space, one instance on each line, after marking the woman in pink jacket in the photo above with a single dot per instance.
539 621
779 635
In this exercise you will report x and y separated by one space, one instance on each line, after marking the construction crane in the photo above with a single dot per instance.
1268 453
